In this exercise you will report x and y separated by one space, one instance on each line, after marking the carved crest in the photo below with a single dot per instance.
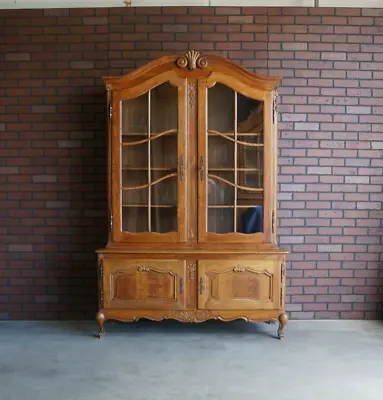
192 60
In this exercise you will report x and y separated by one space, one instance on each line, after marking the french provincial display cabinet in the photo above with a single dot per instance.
192 195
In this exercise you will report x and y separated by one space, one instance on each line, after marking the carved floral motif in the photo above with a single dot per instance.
143 269
191 316
192 271
192 93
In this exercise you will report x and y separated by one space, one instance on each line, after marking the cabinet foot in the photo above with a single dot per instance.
100 318
283 319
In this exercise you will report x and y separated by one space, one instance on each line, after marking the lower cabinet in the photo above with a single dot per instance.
191 290
144 284
239 284
232 284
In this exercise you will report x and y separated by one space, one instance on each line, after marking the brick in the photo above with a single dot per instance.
95 20
20 247
340 307
9 170
82 64
330 248
44 178
18 57
227 10
57 12
352 298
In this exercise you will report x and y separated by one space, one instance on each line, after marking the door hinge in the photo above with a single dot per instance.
110 113
110 220
275 104
101 285
283 271
101 269
273 222
201 169
182 168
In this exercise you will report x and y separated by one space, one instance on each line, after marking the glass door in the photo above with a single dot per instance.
232 165
150 147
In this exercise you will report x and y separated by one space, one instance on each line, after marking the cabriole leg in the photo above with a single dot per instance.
282 323
100 318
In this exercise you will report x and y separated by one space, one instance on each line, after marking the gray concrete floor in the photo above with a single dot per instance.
323 360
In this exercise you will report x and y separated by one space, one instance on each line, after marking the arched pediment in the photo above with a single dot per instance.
193 64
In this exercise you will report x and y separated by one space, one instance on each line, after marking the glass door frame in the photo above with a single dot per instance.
250 90
133 91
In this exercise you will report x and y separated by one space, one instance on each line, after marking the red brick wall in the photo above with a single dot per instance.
52 145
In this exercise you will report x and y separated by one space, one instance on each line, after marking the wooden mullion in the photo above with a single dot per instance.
149 166
235 160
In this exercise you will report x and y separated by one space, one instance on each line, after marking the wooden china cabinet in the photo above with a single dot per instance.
192 195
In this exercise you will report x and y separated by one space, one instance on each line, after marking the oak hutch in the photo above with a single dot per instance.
192 195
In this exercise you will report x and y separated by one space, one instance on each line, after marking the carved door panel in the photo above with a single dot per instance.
239 284
144 284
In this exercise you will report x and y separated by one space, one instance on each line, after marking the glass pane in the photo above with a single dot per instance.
135 188
164 219
219 192
149 161
234 162
164 202
163 155
164 189
220 153
134 156
134 219
134 116
221 220
134 191
164 109
249 165
163 152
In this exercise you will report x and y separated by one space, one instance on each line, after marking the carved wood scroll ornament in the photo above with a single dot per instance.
192 60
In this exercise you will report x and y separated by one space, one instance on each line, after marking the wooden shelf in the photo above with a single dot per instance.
146 206
231 206
248 134
146 169
231 137
232 169
147 134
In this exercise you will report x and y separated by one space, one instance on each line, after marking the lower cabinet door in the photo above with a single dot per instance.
239 284
144 284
